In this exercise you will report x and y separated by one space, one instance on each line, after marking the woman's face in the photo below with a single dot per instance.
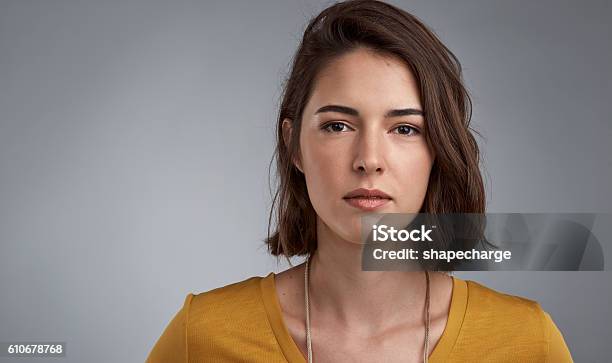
370 126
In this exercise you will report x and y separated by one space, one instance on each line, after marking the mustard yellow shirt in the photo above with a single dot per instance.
242 322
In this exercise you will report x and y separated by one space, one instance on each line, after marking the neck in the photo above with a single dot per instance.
365 301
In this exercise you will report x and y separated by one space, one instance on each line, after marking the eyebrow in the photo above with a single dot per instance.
353 112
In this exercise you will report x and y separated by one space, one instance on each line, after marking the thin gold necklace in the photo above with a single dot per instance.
307 305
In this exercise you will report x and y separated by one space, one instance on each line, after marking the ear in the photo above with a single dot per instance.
287 132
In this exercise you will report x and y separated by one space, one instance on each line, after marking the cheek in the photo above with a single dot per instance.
418 164
321 167
325 168
327 173
412 170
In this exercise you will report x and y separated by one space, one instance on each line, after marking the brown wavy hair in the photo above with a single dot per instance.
455 183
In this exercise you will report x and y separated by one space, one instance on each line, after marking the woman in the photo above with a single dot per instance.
374 117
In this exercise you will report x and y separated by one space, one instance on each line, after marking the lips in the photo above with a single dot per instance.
367 193
367 199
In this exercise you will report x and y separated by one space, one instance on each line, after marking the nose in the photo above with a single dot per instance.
369 155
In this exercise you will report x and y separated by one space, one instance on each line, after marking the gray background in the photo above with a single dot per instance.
134 133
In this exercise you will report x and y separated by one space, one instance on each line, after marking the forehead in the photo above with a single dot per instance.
368 81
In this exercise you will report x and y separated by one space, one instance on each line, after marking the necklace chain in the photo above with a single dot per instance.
307 305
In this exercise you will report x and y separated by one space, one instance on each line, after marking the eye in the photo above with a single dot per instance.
407 130
334 127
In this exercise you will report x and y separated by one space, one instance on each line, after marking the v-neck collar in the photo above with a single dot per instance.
293 354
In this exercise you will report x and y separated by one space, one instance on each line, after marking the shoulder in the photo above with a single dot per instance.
510 316
485 301
233 304
236 290
513 323
208 316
